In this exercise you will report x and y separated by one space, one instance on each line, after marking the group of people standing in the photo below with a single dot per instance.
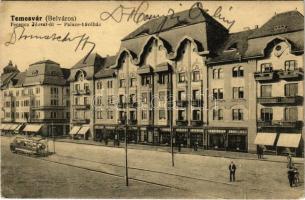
293 174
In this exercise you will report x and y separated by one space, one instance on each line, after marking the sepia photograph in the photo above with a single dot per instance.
152 99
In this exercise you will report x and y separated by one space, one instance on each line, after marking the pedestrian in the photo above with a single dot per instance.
106 141
289 161
232 169
258 151
291 176
196 145
262 152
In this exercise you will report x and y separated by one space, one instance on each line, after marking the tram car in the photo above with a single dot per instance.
29 146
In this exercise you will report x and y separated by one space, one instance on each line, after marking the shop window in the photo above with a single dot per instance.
291 89
266 114
290 65
266 90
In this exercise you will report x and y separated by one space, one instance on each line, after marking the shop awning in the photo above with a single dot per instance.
74 130
18 127
13 127
4 126
265 139
7 127
83 130
32 128
289 140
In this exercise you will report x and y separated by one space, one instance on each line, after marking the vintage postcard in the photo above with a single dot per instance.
152 99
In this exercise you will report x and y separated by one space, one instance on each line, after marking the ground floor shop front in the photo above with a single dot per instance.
228 139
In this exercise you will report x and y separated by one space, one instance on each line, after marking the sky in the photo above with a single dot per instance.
107 37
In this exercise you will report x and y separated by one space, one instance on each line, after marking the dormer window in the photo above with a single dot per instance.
280 27
266 67
290 65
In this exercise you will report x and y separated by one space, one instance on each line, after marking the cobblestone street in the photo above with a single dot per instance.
81 170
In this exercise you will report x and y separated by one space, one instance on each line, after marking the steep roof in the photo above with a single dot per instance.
45 62
6 78
234 48
106 71
281 23
93 59
163 23
19 79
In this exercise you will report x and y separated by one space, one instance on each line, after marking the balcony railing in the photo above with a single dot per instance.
196 122
81 107
49 120
279 124
121 105
81 121
181 122
280 100
132 122
197 103
133 104
265 76
298 73
53 107
181 103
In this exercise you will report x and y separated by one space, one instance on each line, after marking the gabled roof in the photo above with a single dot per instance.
93 59
234 48
186 18
281 23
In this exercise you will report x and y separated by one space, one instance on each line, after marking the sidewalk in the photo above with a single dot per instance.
211 153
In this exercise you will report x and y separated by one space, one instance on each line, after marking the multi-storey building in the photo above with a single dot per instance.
206 85
37 100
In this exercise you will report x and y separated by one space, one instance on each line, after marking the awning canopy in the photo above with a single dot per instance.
18 127
6 127
74 130
265 139
13 127
32 128
83 130
289 140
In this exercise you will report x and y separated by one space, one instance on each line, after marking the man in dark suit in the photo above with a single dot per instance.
232 169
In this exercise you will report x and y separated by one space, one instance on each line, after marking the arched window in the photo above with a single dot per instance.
241 71
235 72
220 73
215 73
196 75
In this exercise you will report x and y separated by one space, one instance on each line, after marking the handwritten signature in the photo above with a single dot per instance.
138 14
82 40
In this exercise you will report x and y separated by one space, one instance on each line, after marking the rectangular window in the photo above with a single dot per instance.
86 101
146 80
291 89
266 114
238 92
196 95
37 90
77 87
266 90
133 82
162 96
110 114
99 85
133 115
266 67
109 84
86 87
122 83
144 114
181 77
217 114
237 114
196 76
163 78
181 115
181 95
220 93
110 100
144 97
162 114
196 115
290 65
132 98
76 100
291 114
122 99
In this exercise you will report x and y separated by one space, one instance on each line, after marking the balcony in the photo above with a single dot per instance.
181 103
81 121
196 122
49 120
133 104
279 124
81 107
181 122
132 122
121 105
197 103
280 100
296 74
265 76
76 92
53 107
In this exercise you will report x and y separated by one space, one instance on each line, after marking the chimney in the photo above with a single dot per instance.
256 27
10 62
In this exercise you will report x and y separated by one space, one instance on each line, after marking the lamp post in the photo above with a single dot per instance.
126 160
